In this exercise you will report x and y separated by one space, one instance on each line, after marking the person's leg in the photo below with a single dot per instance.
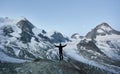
62 56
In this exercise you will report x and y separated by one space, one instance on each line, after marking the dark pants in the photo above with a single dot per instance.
61 56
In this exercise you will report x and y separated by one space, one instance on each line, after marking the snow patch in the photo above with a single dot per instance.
100 31
6 58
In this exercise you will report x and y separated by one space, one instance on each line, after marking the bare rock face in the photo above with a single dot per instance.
88 45
26 28
45 66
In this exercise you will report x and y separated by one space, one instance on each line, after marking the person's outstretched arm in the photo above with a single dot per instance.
56 46
64 45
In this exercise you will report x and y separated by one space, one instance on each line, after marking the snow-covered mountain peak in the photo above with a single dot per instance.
24 23
75 36
102 30
104 27
9 20
21 18
103 24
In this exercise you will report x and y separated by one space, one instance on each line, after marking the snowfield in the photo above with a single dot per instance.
110 45
6 58
72 51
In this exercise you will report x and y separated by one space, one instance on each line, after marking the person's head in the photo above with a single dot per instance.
60 44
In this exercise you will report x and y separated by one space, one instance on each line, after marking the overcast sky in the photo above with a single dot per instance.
66 16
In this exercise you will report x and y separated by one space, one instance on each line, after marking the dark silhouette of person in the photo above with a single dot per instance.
60 50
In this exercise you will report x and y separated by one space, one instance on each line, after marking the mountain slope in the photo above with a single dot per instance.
22 40
100 48
107 39
44 66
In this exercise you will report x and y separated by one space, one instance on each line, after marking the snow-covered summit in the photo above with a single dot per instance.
77 36
102 30
104 26
9 20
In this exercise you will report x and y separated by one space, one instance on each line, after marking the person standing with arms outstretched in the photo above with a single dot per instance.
60 50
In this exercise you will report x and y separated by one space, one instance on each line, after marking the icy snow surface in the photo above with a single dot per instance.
100 31
71 51
106 28
114 40
6 58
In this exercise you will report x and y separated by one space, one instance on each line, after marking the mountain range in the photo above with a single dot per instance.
25 49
